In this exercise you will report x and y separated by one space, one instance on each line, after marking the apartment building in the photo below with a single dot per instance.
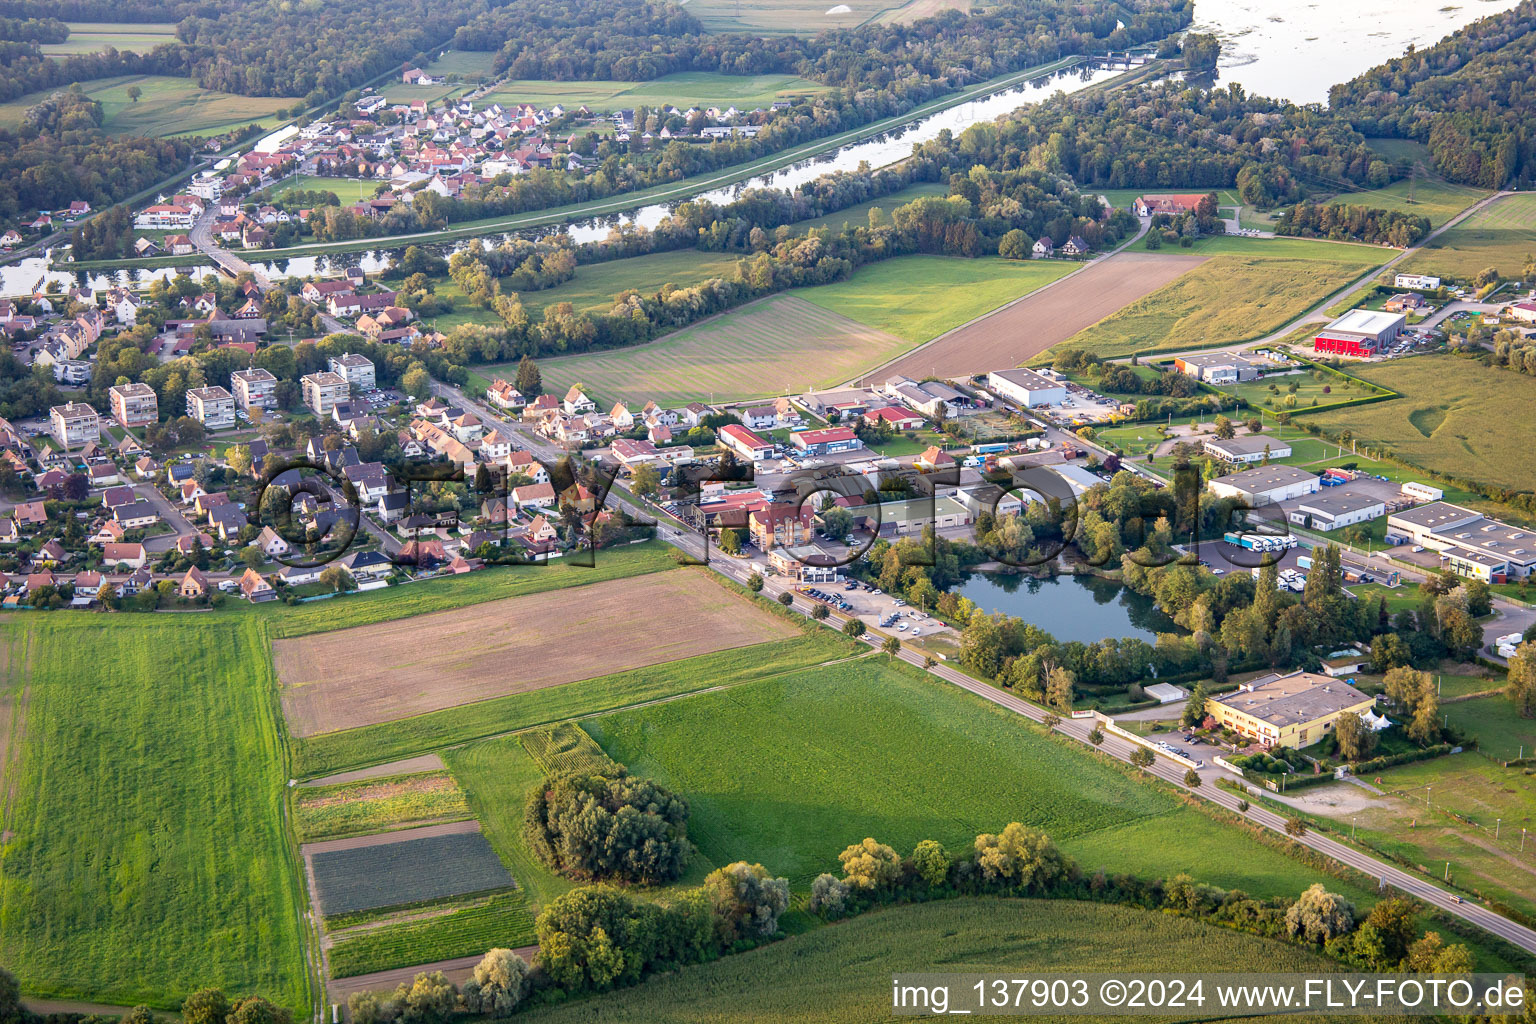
323 390
134 405
213 407
255 388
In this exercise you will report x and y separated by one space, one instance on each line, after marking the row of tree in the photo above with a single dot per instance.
1341 222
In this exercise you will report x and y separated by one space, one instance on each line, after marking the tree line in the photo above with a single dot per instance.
1341 222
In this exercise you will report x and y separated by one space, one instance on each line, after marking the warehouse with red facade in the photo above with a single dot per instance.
1360 332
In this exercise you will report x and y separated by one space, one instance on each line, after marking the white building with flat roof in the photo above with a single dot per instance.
1266 485
1473 545
213 407
1026 387
1421 282
1329 512
1244 450
255 388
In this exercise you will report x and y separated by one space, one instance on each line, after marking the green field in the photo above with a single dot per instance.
127 36
500 920
1434 198
789 771
146 855
684 89
1501 235
1249 287
858 214
917 298
1455 416
360 808
595 285
1499 730
169 106
348 190
468 63
839 974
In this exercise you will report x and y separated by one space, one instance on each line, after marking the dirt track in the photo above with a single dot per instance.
378 673
1021 330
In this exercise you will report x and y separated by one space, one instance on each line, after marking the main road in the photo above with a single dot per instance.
1078 729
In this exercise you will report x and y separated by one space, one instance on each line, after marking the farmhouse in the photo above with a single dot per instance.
1265 485
1292 710
134 405
745 443
1522 311
1146 206
1243 450
1360 332
826 441
1329 512
1474 545
1026 387
1217 367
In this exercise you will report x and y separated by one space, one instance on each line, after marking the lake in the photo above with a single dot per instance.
1083 608
1295 51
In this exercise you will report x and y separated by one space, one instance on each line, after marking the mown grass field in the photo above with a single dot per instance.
501 920
843 973
147 856
348 190
1499 730
791 770
775 345
1434 198
565 748
358 808
858 214
169 106
781 17
468 63
684 89
376 744
127 36
1501 235
595 285
1247 289
917 298
1455 416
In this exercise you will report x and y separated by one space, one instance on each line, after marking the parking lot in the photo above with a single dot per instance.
875 608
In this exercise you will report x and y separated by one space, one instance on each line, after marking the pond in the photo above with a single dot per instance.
1295 51
1083 608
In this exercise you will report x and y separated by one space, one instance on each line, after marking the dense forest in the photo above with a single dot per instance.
1469 97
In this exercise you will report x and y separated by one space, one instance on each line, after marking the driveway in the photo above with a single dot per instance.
170 513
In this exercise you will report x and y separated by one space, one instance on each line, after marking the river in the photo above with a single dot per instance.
1295 51
1083 608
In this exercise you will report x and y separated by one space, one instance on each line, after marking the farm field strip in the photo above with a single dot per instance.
127 36
501 920
756 351
1018 332
374 674
169 106
684 89
356 808
566 748
404 868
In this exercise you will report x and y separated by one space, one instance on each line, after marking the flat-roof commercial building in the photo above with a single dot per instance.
1026 388
1266 485
745 443
1422 492
1243 450
213 407
825 441
1217 367
1474 545
1422 282
1292 710
913 515
1360 332
1329 512
134 405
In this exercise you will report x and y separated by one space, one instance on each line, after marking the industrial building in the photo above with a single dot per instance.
1026 388
1243 450
745 443
1329 512
1217 367
1266 485
1360 332
1292 710
1473 545
825 441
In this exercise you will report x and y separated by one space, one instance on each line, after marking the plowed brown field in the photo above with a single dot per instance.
1022 330
378 673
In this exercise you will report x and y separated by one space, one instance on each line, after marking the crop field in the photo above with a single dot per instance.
372 674
455 592
356 808
917 298
1455 416
684 89
789 771
399 868
1502 235
500 920
1025 329
169 106
1230 297
469 63
127 36
375 744
759 350
843 973
565 748
138 865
